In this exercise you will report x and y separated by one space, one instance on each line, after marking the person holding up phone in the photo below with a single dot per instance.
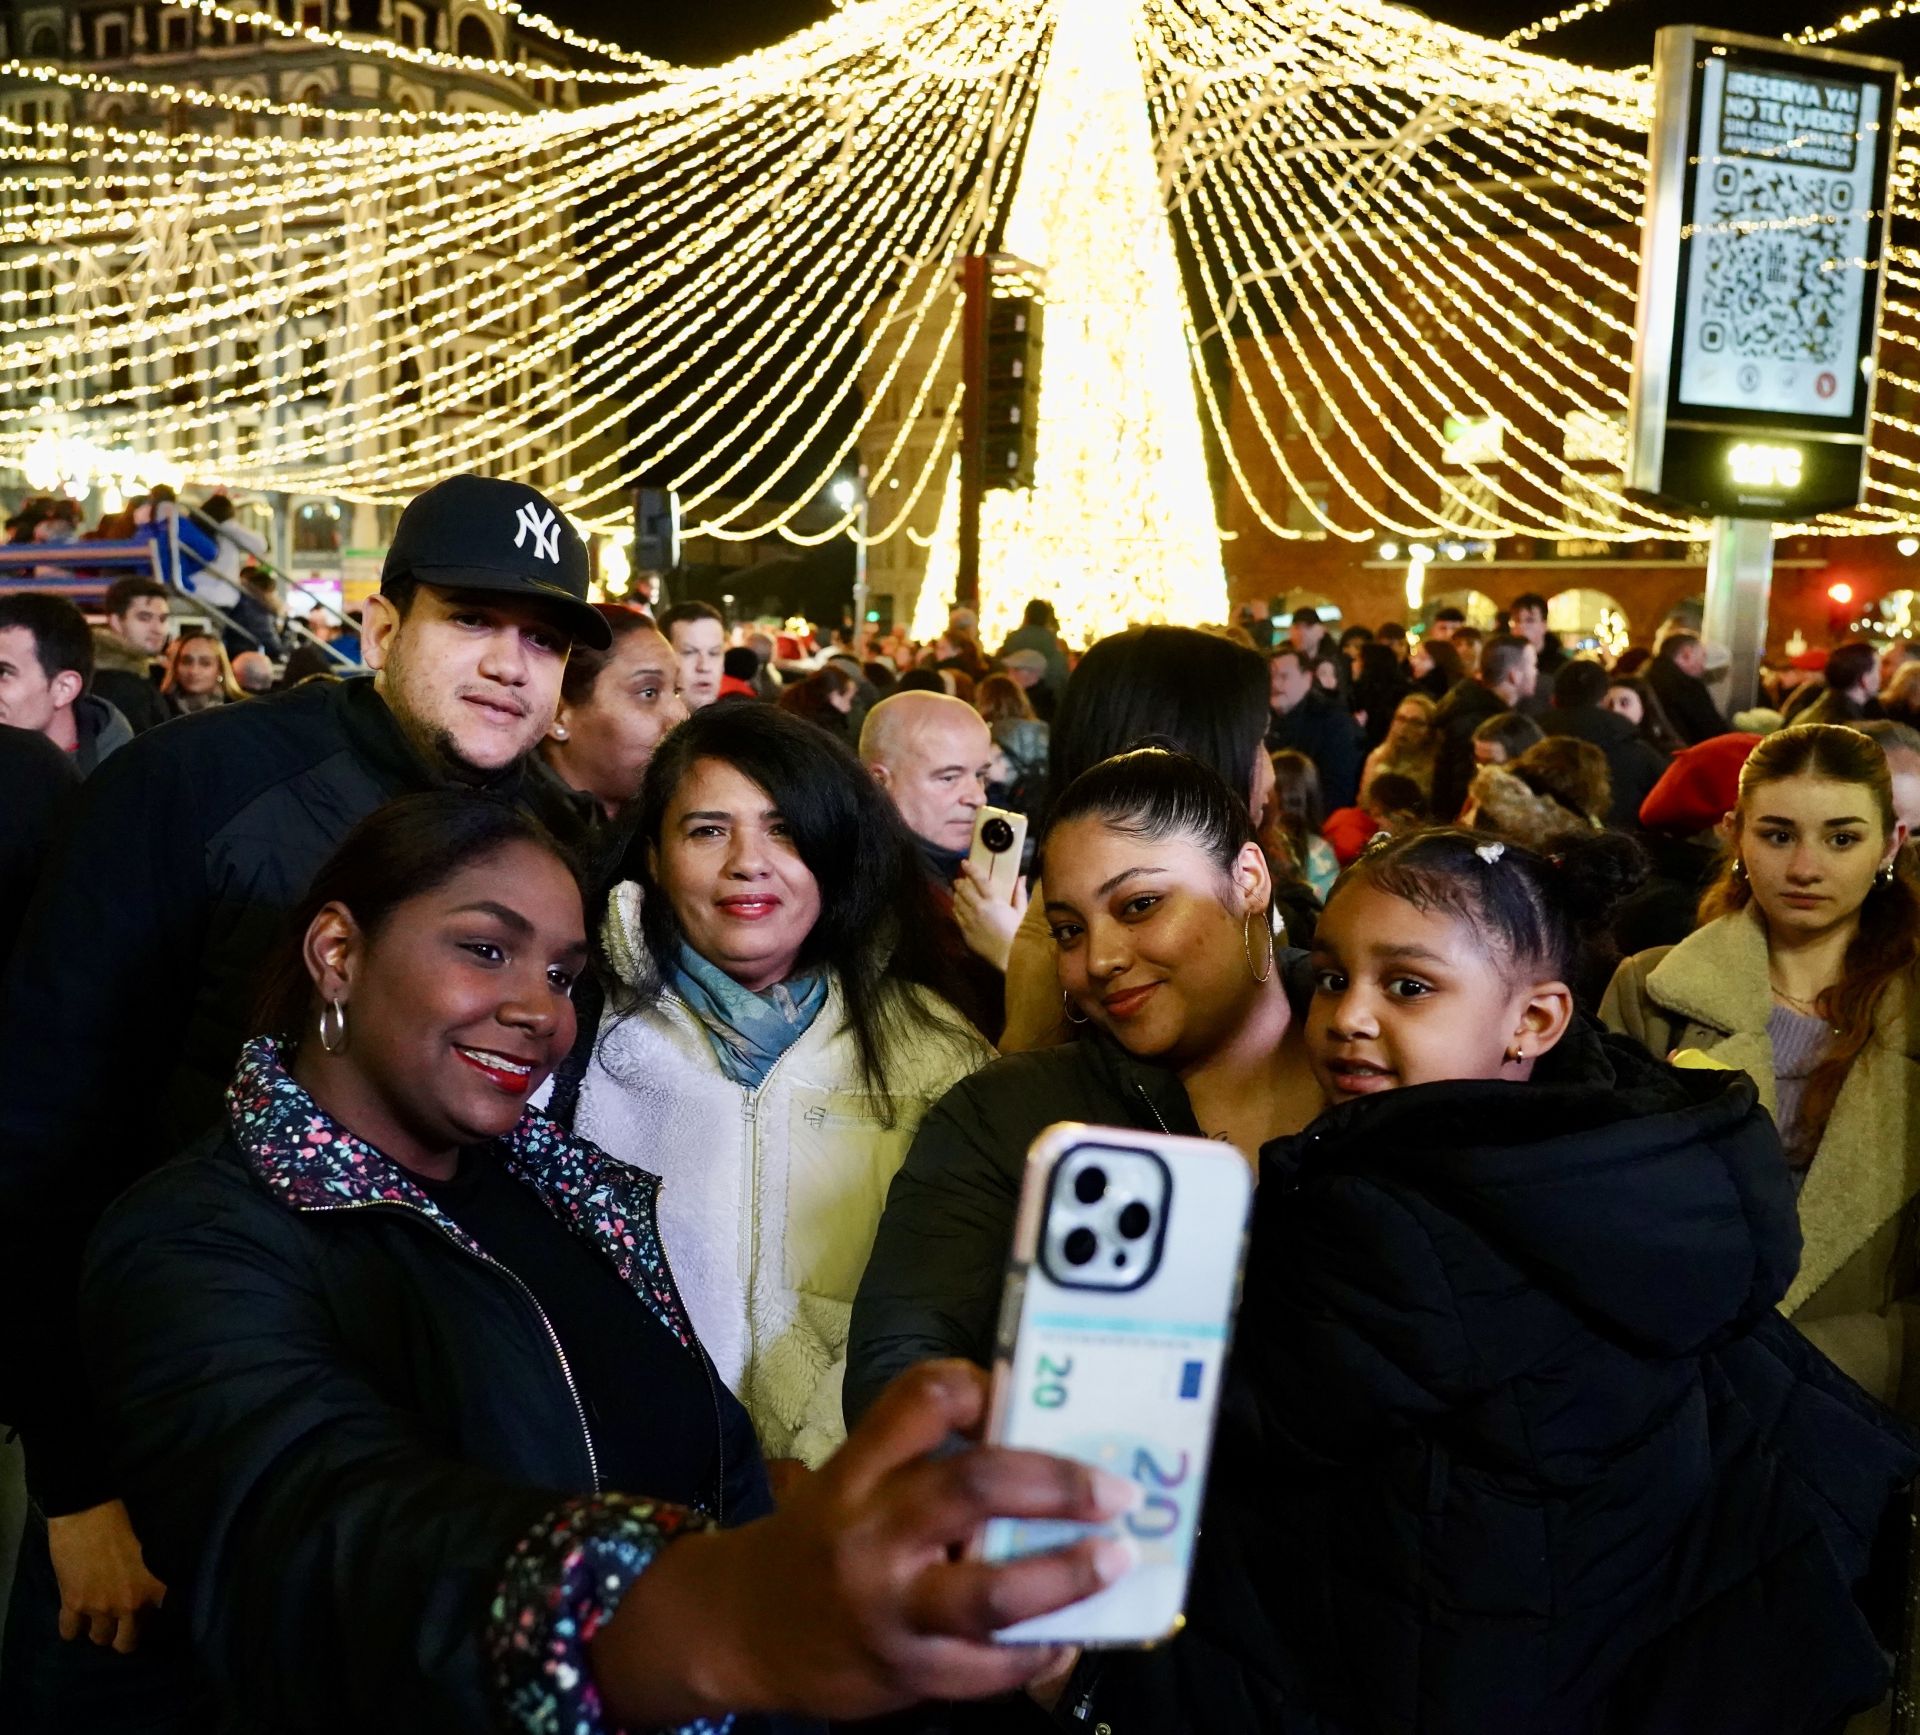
1157 896
1514 1436
932 755
412 1418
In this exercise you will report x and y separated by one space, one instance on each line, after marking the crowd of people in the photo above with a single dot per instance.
508 1162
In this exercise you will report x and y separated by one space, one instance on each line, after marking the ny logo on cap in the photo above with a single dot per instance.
545 525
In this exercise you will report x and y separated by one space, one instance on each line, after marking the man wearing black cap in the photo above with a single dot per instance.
132 985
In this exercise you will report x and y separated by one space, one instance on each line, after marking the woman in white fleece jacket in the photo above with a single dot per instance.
774 1032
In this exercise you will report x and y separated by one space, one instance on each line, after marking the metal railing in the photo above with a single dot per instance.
296 626
84 569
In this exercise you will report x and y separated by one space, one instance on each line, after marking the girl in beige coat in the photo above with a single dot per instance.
1806 975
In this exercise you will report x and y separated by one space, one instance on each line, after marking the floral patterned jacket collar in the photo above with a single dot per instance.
311 1163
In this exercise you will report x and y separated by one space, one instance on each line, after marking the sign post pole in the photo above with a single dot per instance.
1739 582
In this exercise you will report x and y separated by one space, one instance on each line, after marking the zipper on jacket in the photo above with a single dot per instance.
750 1109
553 1337
713 1390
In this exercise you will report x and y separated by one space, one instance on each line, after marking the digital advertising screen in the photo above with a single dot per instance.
1760 274
1778 257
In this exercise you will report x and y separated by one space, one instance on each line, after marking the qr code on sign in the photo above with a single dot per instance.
1775 287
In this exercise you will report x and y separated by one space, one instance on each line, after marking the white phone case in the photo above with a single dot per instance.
999 868
1127 1378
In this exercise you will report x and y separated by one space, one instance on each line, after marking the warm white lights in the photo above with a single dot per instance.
1118 525
1753 465
1409 253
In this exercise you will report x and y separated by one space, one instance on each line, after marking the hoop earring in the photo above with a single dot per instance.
1246 940
1066 1008
1739 868
334 1040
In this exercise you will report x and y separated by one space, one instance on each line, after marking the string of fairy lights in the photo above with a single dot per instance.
1379 272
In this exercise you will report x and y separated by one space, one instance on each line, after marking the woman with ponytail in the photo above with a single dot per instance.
1803 975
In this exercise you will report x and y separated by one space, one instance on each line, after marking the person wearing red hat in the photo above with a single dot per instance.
1806 975
1678 829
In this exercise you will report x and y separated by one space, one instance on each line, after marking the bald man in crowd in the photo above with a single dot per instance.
931 753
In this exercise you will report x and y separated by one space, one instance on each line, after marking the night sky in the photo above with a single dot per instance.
1620 36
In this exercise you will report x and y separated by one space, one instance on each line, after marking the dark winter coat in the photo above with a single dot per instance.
1323 729
1633 766
1462 711
1686 701
37 785
343 1430
254 628
133 984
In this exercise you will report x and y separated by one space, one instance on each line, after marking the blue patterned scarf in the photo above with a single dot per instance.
749 1031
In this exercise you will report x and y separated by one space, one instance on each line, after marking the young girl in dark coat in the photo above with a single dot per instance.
1515 1440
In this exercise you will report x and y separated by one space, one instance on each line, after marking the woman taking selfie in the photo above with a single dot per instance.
774 1031
1805 975
380 1350
1156 898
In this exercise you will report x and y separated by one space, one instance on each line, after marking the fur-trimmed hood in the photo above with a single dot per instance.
111 651
1516 811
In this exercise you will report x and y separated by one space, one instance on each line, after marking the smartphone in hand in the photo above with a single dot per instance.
1113 1338
994 856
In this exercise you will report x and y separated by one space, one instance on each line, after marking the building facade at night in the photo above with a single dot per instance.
306 350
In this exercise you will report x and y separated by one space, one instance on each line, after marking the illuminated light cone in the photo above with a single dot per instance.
1118 526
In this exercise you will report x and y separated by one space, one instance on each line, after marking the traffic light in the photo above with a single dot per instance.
1013 385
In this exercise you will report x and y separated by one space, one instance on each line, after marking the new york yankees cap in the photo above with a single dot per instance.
484 533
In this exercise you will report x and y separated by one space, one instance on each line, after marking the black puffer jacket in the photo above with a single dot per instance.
1515 1440
349 1440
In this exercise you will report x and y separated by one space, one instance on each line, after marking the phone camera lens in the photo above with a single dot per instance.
1135 1221
997 835
1090 1186
1080 1246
